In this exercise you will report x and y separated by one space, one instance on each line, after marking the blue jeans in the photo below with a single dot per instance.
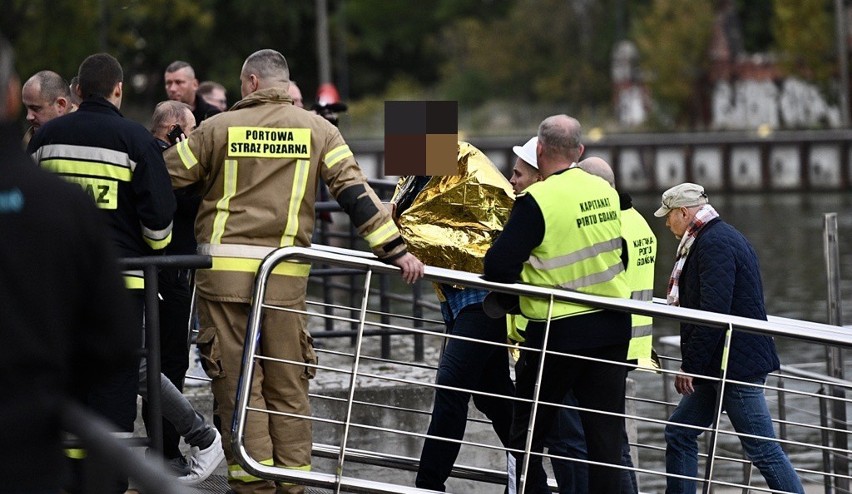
468 365
748 413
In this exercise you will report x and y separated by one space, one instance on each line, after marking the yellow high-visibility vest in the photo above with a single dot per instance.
641 252
581 248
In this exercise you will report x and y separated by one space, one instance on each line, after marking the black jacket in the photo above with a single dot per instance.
97 147
63 312
203 110
722 274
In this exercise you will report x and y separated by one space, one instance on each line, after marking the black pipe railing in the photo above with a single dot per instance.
151 351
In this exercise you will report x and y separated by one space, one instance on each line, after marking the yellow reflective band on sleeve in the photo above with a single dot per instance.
103 170
103 191
158 244
269 142
134 282
237 473
297 194
223 205
185 153
251 265
335 155
381 235
75 453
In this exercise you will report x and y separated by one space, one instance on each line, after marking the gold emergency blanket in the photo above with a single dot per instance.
453 220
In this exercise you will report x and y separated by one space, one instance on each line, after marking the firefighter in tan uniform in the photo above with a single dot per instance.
259 164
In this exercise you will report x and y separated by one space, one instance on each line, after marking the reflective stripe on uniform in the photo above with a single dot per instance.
75 453
252 265
576 256
381 235
247 259
642 295
134 279
95 155
102 170
300 185
185 153
157 239
304 468
237 473
595 278
335 155
222 211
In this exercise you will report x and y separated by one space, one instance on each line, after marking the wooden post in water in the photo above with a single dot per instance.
834 354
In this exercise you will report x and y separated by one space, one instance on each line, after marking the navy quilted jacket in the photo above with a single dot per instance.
722 274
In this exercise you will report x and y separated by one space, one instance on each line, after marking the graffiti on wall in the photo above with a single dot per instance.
792 104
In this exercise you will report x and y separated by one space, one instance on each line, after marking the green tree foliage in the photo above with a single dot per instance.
804 36
542 50
673 38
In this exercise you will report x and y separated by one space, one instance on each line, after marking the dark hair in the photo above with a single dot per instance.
98 75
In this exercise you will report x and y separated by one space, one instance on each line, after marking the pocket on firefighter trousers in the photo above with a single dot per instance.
308 354
211 354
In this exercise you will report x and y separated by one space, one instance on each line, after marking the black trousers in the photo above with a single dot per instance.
469 365
596 385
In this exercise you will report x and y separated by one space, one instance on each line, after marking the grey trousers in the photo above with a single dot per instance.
179 411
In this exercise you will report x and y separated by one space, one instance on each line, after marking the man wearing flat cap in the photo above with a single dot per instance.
717 270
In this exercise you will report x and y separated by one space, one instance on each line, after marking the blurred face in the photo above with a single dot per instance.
677 220
40 110
216 97
523 175
181 86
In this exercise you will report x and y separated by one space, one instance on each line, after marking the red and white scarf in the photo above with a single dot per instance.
701 218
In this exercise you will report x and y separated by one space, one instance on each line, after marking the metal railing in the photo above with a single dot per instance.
110 457
357 427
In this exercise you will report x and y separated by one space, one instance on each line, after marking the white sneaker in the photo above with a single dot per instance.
202 462
196 376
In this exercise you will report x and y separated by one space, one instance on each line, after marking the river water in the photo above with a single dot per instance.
786 230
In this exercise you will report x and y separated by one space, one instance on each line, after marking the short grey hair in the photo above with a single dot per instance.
167 110
268 65
51 85
180 64
560 135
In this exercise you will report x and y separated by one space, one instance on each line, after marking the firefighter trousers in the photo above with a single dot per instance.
271 439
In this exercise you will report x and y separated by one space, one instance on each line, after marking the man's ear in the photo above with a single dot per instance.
117 90
64 104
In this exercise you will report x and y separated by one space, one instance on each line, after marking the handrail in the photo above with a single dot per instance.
150 266
777 326
95 433
788 328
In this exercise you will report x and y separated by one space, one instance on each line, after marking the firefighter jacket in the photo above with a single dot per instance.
118 162
581 248
259 164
